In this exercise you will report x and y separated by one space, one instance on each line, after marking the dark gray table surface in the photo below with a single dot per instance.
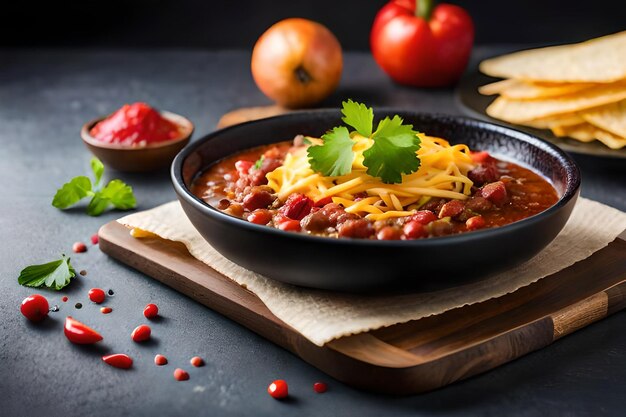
45 96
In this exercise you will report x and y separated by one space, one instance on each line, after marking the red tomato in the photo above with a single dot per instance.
118 360
35 307
141 333
151 311
278 389
79 333
422 46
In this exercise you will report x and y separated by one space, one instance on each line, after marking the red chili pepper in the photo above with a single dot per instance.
181 374
96 295
35 307
151 311
320 387
278 389
422 44
141 333
118 360
79 333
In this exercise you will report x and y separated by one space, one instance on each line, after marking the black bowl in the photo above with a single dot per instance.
364 265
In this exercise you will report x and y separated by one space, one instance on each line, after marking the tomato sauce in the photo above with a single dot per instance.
503 193
135 124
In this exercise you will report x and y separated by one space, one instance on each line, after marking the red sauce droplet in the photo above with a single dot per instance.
141 333
64 299
197 361
105 310
135 124
181 375
278 389
79 247
118 360
35 308
320 387
151 311
97 295
160 360
95 238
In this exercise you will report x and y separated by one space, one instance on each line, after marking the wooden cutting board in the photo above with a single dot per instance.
406 358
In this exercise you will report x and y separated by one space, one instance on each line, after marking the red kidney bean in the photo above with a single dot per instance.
475 223
494 192
423 216
389 233
359 228
451 209
260 216
297 206
414 230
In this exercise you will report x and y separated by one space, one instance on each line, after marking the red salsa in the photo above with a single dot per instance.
503 192
135 124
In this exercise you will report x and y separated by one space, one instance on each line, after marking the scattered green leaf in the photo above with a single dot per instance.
116 193
56 274
259 162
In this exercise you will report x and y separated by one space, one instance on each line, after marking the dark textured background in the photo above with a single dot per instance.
47 94
237 24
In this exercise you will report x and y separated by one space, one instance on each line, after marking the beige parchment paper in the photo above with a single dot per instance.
321 316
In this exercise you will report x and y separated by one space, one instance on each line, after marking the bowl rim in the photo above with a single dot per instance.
186 125
571 191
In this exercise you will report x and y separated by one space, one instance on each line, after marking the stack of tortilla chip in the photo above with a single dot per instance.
576 90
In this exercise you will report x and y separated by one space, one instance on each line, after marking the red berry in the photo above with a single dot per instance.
64 299
320 387
181 374
151 311
105 310
118 360
141 333
95 239
160 360
197 361
96 295
35 307
79 247
278 389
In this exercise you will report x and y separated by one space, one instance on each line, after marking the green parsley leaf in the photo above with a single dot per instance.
72 192
394 151
97 168
116 192
120 194
259 162
335 156
359 116
55 274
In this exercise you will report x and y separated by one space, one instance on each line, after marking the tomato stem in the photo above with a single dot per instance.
424 8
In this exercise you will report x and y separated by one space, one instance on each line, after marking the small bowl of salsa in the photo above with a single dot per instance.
137 137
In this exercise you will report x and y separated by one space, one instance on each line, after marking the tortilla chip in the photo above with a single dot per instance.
586 132
523 90
519 111
567 119
600 60
611 118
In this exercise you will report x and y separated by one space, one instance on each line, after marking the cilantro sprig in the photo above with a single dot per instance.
55 275
115 193
393 152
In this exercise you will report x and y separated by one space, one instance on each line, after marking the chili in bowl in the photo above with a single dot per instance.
246 192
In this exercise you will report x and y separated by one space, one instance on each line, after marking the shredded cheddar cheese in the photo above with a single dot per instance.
442 173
